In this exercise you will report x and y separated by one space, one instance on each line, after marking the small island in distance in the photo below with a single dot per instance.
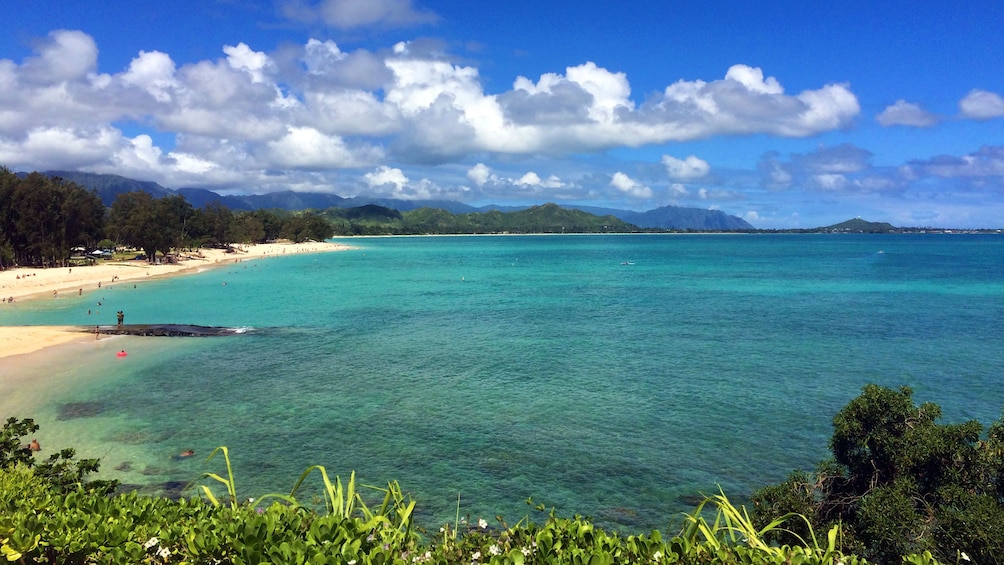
857 225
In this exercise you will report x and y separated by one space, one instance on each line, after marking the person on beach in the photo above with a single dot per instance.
121 317
34 445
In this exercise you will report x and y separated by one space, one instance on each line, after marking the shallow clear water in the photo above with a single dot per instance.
501 368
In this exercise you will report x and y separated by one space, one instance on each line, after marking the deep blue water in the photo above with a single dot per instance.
502 368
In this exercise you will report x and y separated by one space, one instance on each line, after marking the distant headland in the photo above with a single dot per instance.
857 225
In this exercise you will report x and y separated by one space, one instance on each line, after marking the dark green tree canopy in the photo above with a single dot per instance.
900 482
42 219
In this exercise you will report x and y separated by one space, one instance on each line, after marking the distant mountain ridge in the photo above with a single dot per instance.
109 187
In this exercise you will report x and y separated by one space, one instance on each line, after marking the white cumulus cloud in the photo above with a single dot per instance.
982 105
629 186
307 148
904 113
685 169
387 176
66 55
480 174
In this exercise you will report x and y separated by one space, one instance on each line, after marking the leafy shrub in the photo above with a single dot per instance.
901 483
60 469
44 521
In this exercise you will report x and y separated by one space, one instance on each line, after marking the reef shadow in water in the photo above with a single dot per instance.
74 410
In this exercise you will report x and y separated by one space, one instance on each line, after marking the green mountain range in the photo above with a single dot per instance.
109 187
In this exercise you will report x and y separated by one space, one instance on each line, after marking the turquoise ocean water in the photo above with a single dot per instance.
609 376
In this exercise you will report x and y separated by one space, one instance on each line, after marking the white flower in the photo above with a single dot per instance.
964 556
526 551
164 553
482 523
150 543
494 550
657 556
476 556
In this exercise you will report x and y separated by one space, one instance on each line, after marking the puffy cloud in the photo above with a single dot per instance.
262 119
241 57
480 174
560 103
153 72
386 176
982 105
322 56
744 102
61 148
678 190
830 181
67 55
685 169
904 113
307 148
529 179
349 14
392 182
630 187
843 167
752 79
349 112
987 162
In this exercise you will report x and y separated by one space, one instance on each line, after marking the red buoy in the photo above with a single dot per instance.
121 354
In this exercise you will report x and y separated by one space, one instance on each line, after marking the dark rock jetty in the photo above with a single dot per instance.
162 330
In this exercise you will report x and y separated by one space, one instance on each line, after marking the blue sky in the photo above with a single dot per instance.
787 114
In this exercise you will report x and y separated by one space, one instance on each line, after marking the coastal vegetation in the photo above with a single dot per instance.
48 222
901 488
899 482
548 218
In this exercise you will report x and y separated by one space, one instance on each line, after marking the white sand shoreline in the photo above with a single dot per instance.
37 284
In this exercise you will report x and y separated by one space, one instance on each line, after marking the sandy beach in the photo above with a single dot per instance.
34 284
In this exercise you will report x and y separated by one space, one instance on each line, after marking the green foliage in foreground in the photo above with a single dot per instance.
40 525
45 519
901 483
927 493
62 470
